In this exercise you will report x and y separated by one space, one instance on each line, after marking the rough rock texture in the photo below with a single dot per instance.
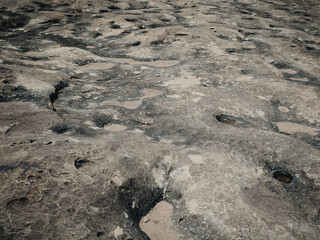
108 108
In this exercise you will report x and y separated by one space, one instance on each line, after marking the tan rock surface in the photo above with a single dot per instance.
158 223
193 120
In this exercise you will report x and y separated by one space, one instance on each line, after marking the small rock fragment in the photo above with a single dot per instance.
114 127
118 232
117 180
290 128
158 223
283 109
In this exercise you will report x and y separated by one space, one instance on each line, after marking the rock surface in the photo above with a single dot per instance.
202 115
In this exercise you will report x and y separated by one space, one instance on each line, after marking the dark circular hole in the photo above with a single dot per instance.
61 129
115 26
226 119
137 43
283 176
132 20
99 234
31 177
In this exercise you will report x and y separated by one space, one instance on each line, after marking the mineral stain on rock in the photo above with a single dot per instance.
24 165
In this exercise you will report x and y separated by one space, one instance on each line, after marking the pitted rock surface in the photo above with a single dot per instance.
200 116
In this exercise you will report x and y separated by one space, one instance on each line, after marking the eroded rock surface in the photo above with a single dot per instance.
202 115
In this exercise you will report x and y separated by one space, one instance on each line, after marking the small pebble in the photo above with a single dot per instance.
283 109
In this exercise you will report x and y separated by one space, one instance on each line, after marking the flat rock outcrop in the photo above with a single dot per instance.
159 119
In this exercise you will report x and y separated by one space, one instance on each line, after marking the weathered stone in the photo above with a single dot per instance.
159 119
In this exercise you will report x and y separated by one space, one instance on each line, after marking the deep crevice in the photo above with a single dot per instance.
55 95
139 198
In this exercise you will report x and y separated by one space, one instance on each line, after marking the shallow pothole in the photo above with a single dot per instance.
61 128
283 176
226 119
139 196
78 163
